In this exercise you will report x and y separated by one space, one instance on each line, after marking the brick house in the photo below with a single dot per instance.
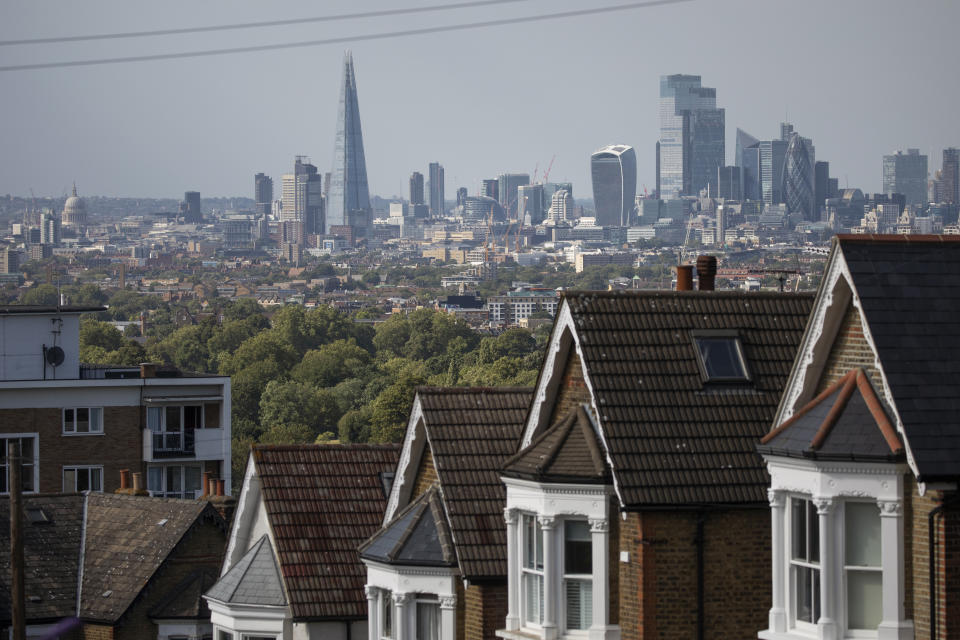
114 567
438 566
636 504
291 568
78 425
864 456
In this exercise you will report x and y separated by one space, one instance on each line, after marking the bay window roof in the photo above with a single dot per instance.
567 452
418 536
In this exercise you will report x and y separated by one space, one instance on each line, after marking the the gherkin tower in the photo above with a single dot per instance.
348 201
798 178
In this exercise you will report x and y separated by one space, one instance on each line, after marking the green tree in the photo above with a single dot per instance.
288 434
295 403
265 346
333 363
354 426
44 294
94 333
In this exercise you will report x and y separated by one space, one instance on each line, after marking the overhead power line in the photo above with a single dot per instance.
342 39
257 25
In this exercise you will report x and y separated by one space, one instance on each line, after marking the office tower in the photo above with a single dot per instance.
9 260
49 229
614 172
303 202
550 188
262 193
950 176
656 192
729 183
772 154
691 137
747 157
821 184
507 185
906 173
530 203
348 202
435 188
798 177
562 206
490 189
721 229
190 207
461 196
786 131
416 188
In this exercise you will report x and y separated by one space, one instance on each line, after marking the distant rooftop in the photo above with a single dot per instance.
15 309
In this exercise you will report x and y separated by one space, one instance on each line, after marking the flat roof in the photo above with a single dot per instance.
15 309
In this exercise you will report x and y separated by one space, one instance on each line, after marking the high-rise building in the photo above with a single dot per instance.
303 202
772 153
950 176
507 186
614 172
691 137
821 184
562 206
530 203
798 177
550 188
747 157
49 229
461 196
262 193
729 183
416 188
489 188
348 202
435 187
190 207
906 173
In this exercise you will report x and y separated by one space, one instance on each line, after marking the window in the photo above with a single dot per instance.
720 358
174 481
578 573
85 478
83 420
386 616
805 560
173 427
532 570
862 564
224 635
29 456
428 619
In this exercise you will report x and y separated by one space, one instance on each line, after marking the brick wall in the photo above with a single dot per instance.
850 349
98 632
658 586
203 547
120 446
426 474
573 389
485 610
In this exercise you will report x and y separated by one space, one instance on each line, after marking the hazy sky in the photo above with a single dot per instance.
860 77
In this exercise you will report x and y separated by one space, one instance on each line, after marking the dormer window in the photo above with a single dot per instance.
720 357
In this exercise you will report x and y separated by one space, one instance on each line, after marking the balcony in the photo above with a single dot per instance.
193 444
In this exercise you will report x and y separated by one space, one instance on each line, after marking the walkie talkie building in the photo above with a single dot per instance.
614 172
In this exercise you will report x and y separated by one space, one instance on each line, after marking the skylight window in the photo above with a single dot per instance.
721 358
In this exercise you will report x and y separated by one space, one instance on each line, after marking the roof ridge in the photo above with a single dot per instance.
837 409
586 424
464 390
820 397
252 553
896 238
879 414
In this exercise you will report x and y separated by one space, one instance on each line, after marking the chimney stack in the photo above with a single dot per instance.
148 370
684 277
707 272
124 478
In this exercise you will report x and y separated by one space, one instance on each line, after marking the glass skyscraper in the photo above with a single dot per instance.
747 157
614 171
692 144
798 178
906 174
348 203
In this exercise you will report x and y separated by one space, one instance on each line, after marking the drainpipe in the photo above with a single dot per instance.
932 559
699 540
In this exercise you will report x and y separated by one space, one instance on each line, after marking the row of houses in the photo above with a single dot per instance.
689 464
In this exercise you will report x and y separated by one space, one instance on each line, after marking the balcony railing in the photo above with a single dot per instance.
172 444
198 444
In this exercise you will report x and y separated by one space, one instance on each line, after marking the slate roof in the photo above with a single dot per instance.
127 540
51 557
907 287
254 579
418 536
185 601
322 502
674 439
472 431
845 422
567 452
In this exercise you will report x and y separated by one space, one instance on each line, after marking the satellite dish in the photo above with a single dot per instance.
54 356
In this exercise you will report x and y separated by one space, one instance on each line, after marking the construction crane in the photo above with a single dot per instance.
546 174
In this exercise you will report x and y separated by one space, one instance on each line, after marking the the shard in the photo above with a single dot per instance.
348 201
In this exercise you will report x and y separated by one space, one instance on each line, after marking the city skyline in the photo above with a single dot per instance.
215 141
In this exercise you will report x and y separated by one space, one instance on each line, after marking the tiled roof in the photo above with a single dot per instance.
674 439
253 580
418 536
128 538
907 288
845 422
322 502
472 431
185 601
567 452
51 557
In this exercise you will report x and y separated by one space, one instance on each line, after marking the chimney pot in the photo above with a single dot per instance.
206 484
148 370
211 486
684 277
137 481
124 478
220 487
707 272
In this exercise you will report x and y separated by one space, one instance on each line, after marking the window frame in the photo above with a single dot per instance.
566 578
795 564
715 334
80 467
846 569
164 470
534 573
35 464
90 431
